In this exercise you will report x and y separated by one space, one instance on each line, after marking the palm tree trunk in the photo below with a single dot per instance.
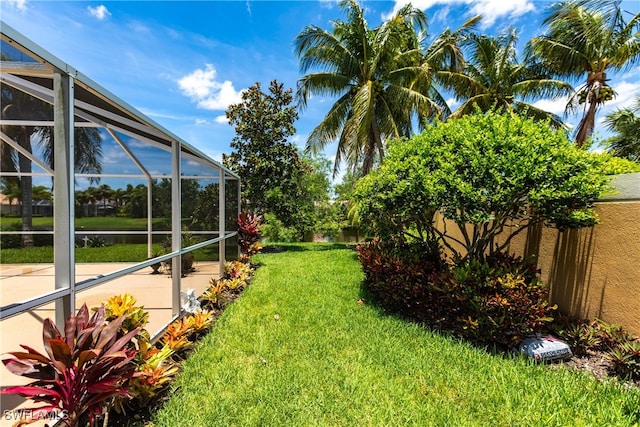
374 144
595 81
585 128
26 190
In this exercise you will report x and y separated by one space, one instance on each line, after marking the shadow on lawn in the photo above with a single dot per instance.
302 247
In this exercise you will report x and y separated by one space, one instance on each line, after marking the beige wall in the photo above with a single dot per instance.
594 272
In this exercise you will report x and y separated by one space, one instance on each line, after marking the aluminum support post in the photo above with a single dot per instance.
64 194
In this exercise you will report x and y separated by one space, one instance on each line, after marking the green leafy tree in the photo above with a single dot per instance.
104 193
81 200
491 175
382 78
161 193
494 77
317 213
41 192
135 199
345 203
118 198
626 125
190 189
314 212
587 38
206 208
10 188
267 162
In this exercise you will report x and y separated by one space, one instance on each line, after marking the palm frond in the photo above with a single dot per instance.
535 113
329 128
322 84
531 89
319 49
464 84
363 103
562 58
625 123
484 101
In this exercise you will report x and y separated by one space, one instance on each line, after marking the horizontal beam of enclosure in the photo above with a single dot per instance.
18 308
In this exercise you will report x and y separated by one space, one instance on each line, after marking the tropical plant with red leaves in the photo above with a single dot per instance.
81 371
249 233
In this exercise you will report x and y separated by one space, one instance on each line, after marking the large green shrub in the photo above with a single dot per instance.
618 165
273 230
491 174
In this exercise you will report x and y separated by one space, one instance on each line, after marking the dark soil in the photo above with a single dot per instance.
596 364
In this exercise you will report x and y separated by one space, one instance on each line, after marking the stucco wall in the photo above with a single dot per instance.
595 272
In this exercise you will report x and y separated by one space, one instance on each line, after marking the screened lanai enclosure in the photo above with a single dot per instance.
98 200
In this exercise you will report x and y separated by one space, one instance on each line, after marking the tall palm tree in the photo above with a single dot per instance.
41 192
118 196
588 38
494 77
81 199
379 76
104 193
21 106
626 125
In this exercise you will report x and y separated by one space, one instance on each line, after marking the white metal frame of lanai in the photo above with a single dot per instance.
79 102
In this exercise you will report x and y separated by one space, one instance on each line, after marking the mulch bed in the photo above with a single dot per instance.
596 364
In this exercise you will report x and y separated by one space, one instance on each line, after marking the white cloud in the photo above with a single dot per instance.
201 122
210 94
221 119
633 73
136 143
139 27
441 16
101 12
160 115
225 96
298 140
626 94
555 106
491 10
494 9
114 155
18 4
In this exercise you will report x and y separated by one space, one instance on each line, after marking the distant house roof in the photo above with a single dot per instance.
627 188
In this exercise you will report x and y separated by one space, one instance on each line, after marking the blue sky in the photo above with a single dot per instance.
182 62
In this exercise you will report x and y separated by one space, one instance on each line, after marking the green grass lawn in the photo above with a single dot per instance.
124 252
113 253
298 350
98 223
